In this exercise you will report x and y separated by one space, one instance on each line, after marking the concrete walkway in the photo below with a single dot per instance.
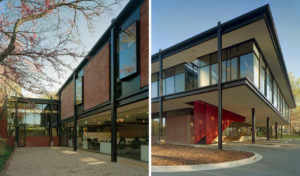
62 161
281 157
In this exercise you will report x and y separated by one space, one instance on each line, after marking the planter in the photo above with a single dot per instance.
105 147
145 153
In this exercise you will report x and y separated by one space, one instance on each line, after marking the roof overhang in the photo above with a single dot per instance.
239 96
257 25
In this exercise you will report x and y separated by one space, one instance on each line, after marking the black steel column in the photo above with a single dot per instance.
268 127
253 125
16 123
160 96
58 122
112 97
75 115
280 131
276 136
50 120
219 86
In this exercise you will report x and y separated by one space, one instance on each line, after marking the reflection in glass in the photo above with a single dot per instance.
262 78
214 74
180 82
275 94
79 86
246 66
228 70
127 51
269 85
234 68
256 71
170 85
224 71
203 76
154 89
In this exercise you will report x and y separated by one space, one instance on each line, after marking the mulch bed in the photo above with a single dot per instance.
170 155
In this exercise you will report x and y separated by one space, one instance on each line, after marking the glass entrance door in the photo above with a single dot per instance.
22 136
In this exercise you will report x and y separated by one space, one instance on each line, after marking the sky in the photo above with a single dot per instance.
175 20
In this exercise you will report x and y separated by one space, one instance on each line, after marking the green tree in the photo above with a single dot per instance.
295 113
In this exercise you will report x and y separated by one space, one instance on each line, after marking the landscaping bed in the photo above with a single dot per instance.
170 155
5 152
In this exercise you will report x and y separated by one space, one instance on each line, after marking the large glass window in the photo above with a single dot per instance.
228 69
224 69
154 85
246 66
256 71
79 87
203 76
234 68
275 94
127 51
262 77
170 85
269 85
180 82
214 74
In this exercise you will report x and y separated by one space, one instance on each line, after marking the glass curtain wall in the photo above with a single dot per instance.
132 133
35 118
94 132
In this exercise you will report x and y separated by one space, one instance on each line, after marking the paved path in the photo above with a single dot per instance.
62 161
281 158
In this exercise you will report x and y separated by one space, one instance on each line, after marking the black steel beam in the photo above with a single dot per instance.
276 131
160 96
220 86
75 115
268 127
253 125
113 96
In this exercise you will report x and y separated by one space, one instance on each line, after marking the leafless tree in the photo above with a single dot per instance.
37 35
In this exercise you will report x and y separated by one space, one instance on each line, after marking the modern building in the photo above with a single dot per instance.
103 105
253 94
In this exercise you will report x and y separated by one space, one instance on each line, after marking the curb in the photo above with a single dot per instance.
202 167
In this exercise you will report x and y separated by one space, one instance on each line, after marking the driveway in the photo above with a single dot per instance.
62 161
280 157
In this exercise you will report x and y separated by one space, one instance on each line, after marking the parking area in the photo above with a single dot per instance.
57 161
280 157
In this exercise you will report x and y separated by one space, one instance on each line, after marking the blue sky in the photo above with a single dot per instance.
176 20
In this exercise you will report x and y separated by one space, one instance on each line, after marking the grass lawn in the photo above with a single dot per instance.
4 153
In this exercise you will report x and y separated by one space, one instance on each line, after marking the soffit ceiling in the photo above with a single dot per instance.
239 100
257 30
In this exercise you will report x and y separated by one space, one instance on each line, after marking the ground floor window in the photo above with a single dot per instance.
94 132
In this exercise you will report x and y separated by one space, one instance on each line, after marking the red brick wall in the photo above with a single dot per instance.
3 127
37 141
179 129
67 101
144 43
97 79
